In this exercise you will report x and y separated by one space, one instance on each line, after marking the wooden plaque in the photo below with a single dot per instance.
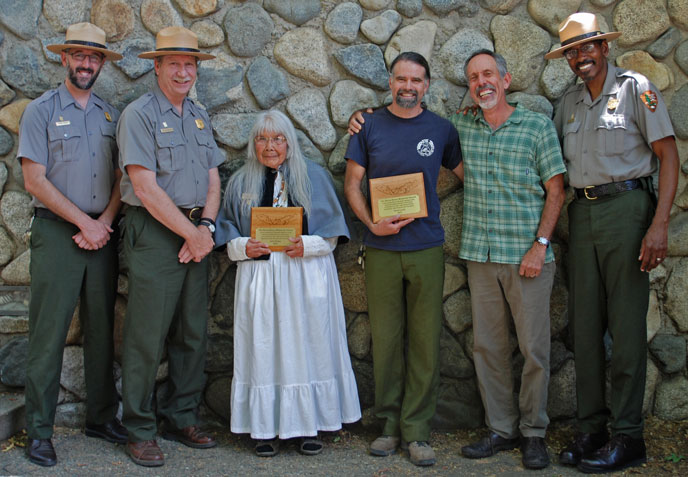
403 195
275 225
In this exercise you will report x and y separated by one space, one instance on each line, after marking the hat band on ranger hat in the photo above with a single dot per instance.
85 43
584 36
175 48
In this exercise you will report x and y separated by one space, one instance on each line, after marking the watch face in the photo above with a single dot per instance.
211 227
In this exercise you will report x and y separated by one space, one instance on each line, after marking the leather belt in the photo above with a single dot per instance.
43 213
595 192
193 213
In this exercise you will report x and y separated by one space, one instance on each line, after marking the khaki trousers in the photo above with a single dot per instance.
498 294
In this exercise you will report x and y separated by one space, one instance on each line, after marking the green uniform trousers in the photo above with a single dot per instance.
61 272
405 302
609 292
168 305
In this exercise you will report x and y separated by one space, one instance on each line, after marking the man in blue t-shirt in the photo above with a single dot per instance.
404 259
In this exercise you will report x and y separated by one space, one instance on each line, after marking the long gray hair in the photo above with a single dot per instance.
247 184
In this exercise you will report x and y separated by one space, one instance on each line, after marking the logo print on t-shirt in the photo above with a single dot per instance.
425 147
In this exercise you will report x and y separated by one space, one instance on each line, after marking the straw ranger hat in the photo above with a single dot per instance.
579 28
86 36
176 40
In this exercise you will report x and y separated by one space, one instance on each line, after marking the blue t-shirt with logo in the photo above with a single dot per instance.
390 146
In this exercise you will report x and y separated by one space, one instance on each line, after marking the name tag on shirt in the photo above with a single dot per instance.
167 130
63 123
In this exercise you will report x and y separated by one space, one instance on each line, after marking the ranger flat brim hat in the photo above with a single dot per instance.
85 36
579 28
176 40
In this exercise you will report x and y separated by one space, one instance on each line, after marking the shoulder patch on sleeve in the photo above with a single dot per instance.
649 99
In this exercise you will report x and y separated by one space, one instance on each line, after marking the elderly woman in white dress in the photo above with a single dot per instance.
292 370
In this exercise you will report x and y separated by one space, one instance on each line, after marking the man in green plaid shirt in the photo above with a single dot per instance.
513 193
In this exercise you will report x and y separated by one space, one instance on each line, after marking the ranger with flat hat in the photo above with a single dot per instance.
68 156
171 187
615 131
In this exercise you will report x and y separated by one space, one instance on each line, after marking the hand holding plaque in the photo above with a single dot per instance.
275 225
402 195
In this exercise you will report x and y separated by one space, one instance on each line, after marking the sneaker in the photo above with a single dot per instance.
421 453
384 446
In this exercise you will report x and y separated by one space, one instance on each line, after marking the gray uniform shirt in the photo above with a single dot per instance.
179 149
76 146
609 139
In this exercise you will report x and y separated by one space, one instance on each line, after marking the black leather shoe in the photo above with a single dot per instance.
488 446
534 453
583 444
41 452
112 431
620 452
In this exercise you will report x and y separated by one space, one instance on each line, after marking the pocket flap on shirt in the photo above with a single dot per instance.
62 132
168 140
571 128
108 130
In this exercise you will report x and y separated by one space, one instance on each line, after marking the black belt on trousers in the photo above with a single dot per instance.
193 213
44 213
595 192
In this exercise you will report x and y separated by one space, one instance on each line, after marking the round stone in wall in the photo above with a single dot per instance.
233 129
419 37
550 13
442 7
662 46
410 8
6 145
7 94
217 78
7 246
62 13
197 8
21 17
556 77
343 21
501 7
17 272
131 65
348 96
159 14
113 16
643 63
678 12
533 102
53 40
374 4
366 63
308 109
208 32
681 56
303 52
248 28
678 111
297 12
640 20
378 29
16 213
524 58
456 51
10 115
268 84
25 71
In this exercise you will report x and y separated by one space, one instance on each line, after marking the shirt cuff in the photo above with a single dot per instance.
315 245
236 249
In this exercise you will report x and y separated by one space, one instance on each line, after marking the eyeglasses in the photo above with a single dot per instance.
586 49
80 57
263 141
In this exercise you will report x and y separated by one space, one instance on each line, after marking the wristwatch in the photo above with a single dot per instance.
210 223
542 241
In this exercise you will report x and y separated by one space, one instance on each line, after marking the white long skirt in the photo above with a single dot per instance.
292 370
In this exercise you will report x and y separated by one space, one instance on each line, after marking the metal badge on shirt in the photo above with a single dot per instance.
108 117
200 124
612 104
165 129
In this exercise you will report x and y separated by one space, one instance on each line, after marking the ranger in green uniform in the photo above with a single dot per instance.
614 128
68 155
172 187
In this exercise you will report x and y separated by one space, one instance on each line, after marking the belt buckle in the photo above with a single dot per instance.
585 190
193 211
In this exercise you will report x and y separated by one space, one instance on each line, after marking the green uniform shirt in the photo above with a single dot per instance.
504 173
608 139
77 146
179 149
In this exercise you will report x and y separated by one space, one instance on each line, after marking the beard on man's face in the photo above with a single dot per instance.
84 83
